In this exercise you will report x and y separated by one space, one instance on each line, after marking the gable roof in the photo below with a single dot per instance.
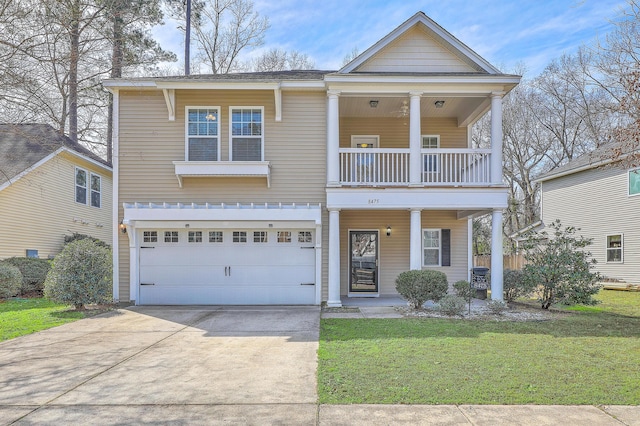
596 158
24 145
439 34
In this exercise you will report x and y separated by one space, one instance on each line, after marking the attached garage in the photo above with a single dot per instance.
221 255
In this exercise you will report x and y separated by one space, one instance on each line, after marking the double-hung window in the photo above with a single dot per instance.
202 133
88 188
634 182
614 248
431 247
430 160
247 133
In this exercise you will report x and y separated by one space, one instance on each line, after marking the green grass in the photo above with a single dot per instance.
584 357
25 316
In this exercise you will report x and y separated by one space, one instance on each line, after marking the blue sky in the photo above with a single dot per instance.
505 32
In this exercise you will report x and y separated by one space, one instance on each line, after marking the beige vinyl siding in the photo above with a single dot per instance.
415 51
38 210
395 134
149 143
597 201
394 250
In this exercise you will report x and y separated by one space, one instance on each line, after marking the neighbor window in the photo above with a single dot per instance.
215 236
170 236
32 253
284 236
81 186
202 133
239 237
95 190
246 133
614 248
195 236
634 182
431 247
150 236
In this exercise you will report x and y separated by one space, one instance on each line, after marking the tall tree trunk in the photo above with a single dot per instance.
116 70
74 38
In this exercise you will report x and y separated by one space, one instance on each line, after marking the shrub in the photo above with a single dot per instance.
417 286
34 272
10 280
496 307
561 266
464 290
76 236
514 285
452 305
81 275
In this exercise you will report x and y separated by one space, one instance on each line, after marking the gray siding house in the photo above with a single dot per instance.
603 200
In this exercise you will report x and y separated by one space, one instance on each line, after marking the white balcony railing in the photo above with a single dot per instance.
390 167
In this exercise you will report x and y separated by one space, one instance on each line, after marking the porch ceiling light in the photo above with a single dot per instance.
439 104
373 103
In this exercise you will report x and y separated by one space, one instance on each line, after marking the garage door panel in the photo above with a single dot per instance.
216 295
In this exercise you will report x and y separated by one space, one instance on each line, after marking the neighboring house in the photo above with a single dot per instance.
299 187
49 187
603 200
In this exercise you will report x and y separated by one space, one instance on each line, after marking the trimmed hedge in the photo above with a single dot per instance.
10 280
34 272
418 286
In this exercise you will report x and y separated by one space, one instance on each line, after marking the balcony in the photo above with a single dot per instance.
391 167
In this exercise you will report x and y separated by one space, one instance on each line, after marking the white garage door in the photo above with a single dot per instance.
227 266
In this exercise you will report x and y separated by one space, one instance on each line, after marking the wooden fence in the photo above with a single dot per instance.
510 261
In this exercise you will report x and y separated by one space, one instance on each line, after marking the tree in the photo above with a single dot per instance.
560 267
222 30
280 60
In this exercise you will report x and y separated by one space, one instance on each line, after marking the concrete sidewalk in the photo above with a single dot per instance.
213 365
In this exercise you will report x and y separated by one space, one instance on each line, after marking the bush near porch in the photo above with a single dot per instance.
586 357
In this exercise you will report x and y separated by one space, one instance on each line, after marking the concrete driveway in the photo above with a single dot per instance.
172 365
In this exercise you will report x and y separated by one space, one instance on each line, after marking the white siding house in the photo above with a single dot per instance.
299 187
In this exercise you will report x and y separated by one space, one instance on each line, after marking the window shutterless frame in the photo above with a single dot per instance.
633 182
95 190
614 248
81 185
244 124
201 127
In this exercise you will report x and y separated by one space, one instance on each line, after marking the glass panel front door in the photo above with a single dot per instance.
363 246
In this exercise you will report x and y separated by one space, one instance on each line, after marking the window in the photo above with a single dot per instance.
284 236
195 236
81 186
246 134
215 236
95 190
239 237
305 237
259 236
170 236
431 247
614 248
150 236
430 160
202 133
634 182
32 253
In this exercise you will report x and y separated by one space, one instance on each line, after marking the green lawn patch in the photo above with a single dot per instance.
25 316
590 357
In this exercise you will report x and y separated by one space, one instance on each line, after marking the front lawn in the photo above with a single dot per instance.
25 316
588 357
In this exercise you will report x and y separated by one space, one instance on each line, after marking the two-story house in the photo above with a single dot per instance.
602 199
300 187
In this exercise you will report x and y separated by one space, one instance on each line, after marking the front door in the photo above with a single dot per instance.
363 246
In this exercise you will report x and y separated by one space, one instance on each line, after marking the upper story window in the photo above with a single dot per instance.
430 160
247 136
202 133
88 188
614 248
634 182
430 141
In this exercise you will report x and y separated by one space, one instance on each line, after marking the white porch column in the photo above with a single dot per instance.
333 138
415 144
334 259
415 240
496 255
496 138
